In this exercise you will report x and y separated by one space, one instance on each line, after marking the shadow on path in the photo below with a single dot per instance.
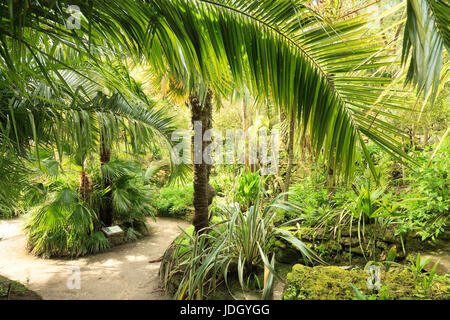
123 272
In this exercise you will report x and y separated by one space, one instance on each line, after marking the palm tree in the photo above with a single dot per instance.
67 106
130 114
281 49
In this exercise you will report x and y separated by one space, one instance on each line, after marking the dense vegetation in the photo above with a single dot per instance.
359 94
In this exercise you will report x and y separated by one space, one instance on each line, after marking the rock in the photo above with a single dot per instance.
441 268
333 283
346 233
346 267
312 234
349 242
287 255
389 235
116 240
357 250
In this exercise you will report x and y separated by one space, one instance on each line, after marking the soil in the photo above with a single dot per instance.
13 290
123 272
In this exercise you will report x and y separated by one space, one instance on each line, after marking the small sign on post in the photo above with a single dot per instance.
112 231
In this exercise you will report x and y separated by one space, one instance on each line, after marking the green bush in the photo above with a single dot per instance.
222 181
130 197
237 242
64 226
61 223
426 201
248 186
173 200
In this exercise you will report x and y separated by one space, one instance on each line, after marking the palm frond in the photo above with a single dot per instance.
426 35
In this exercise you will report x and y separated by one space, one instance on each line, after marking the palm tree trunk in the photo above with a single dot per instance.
106 208
203 191
290 154
85 186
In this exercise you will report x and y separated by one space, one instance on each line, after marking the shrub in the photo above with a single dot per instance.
174 200
236 243
130 197
426 201
64 226
61 223
248 188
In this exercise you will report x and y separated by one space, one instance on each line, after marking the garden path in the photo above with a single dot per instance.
123 272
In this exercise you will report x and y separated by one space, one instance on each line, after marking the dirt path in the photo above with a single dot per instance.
123 272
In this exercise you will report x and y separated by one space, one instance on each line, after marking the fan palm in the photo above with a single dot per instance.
68 107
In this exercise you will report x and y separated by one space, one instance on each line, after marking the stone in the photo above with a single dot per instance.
349 242
287 255
441 268
333 283
357 250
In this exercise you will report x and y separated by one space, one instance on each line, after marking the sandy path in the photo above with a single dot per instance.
123 272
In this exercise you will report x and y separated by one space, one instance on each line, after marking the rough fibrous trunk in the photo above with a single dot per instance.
85 186
106 209
203 191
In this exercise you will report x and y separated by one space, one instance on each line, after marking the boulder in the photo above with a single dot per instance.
333 283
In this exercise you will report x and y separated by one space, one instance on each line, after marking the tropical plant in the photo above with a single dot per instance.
417 265
64 226
62 222
425 37
425 280
237 242
248 186
316 69
129 195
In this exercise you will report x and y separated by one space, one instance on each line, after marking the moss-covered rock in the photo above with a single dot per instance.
333 283
321 283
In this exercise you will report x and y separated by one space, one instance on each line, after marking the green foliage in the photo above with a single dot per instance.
222 180
423 279
311 196
238 243
248 188
64 226
427 201
60 223
129 194
14 176
370 211
174 200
